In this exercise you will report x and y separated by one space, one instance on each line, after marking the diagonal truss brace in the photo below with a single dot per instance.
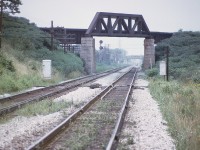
118 25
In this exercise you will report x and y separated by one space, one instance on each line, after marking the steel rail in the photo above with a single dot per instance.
115 137
13 107
52 86
46 139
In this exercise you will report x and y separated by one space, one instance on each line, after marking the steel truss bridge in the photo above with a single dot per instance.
109 25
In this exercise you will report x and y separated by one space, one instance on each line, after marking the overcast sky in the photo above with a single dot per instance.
160 15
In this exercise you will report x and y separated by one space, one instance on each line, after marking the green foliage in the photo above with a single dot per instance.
23 35
25 43
68 64
184 55
196 76
65 63
152 72
11 5
5 64
44 107
11 82
29 42
180 106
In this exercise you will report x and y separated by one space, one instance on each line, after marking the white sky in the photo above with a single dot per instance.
160 15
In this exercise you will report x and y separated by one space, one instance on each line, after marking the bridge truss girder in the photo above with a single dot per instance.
110 25
118 25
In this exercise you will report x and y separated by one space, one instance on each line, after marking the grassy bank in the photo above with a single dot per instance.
180 105
23 69
24 46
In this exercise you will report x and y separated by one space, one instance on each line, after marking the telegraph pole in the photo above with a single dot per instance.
167 62
52 32
1 23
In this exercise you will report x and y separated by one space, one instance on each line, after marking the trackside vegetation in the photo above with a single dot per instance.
184 54
24 47
180 105
179 99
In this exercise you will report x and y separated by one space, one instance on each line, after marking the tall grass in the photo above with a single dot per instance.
23 69
22 52
180 105
44 107
11 82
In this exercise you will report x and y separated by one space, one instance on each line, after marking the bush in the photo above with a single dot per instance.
65 63
196 77
5 64
152 72
11 82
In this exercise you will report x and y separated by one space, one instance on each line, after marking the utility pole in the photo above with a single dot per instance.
65 42
52 33
1 23
167 62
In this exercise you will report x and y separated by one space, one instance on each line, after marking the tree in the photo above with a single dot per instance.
8 6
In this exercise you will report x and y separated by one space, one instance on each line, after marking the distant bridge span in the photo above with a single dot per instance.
73 36
109 25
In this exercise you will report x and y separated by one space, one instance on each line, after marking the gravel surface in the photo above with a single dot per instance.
106 81
144 127
20 132
79 95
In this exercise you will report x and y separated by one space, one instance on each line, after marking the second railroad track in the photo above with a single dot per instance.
95 125
11 103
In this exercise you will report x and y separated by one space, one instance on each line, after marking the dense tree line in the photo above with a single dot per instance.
111 56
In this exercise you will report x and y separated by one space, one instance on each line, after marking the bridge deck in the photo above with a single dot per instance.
110 25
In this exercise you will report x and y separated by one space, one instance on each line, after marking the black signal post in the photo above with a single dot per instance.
52 34
167 62
1 21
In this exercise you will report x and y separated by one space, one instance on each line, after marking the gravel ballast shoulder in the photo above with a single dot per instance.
144 127
17 133
20 132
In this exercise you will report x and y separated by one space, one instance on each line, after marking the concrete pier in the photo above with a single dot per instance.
149 53
87 53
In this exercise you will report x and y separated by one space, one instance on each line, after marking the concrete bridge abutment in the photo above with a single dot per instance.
87 53
149 53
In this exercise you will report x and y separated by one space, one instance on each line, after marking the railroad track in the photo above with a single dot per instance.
95 125
11 103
